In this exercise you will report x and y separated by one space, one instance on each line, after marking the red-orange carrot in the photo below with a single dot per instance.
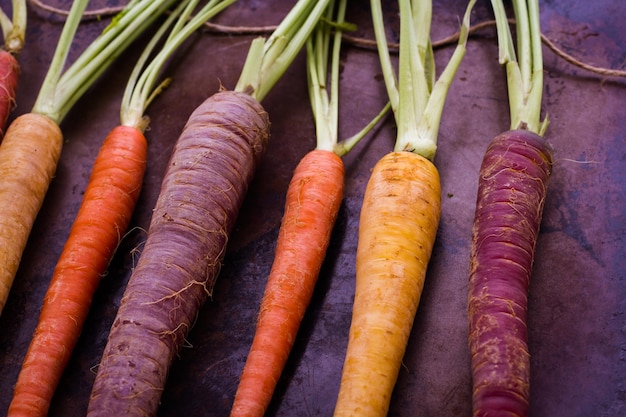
103 218
313 200
312 204
15 31
9 76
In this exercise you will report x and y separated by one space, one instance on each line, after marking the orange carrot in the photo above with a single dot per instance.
28 160
312 204
313 200
103 218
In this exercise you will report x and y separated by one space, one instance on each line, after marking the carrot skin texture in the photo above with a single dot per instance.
313 200
29 155
9 77
102 219
511 193
203 188
398 226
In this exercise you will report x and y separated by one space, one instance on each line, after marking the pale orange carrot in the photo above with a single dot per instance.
399 216
29 155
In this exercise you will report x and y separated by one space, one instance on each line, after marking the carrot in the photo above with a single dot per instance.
29 154
399 216
103 217
312 204
102 220
313 200
397 230
32 162
512 186
9 77
212 163
14 30
511 192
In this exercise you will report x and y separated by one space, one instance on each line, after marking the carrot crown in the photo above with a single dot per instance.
524 74
416 99
14 28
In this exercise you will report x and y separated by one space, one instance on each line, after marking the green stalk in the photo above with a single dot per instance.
141 90
14 28
268 59
325 98
525 72
416 100
60 90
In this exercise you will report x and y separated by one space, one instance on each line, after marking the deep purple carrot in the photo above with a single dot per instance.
511 193
512 186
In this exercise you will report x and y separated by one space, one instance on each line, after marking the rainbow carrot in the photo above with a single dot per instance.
211 166
399 216
512 186
28 160
102 220
312 204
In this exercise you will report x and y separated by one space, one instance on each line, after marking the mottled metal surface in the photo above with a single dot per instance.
577 312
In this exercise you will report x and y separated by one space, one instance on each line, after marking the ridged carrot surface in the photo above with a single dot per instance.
29 154
313 200
213 161
101 222
511 193
397 230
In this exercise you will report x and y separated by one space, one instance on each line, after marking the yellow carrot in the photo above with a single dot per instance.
399 215
28 159
398 224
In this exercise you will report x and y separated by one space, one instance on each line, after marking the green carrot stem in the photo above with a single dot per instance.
416 101
524 70
268 59
140 89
